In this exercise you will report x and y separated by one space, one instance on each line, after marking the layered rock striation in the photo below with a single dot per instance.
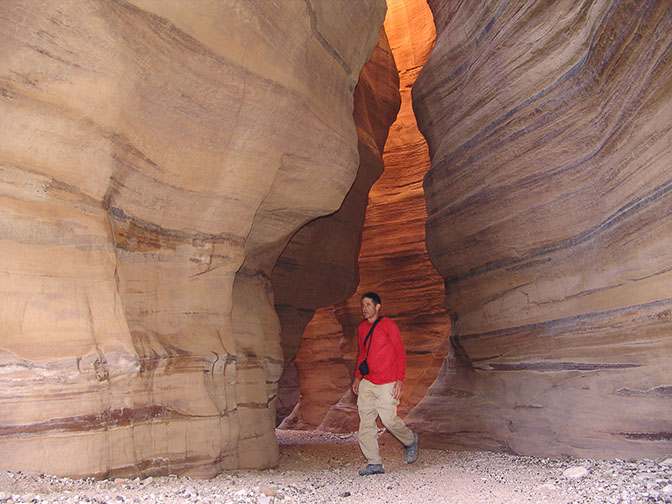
549 200
155 159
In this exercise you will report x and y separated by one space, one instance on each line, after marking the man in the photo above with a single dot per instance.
380 389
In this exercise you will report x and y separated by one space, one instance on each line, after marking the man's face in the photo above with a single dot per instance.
369 309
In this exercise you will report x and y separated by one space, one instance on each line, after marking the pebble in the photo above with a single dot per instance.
575 472
268 490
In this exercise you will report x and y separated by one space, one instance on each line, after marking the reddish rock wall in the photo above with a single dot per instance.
155 159
319 265
393 260
549 201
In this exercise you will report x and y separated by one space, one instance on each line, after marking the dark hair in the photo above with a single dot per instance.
372 296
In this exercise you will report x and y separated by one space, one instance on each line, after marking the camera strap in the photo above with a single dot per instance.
369 337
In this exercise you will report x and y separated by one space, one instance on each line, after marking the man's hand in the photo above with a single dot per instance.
398 389
355 386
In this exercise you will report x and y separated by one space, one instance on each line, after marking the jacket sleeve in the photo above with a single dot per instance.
360 356
400 352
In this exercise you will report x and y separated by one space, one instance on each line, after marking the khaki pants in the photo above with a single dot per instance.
373 401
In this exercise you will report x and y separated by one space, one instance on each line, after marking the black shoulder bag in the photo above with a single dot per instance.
364 366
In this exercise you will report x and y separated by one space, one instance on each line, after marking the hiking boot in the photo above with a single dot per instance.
372 469
412 450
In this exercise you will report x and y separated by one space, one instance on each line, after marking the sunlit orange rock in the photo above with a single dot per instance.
319 265
393 260
549 201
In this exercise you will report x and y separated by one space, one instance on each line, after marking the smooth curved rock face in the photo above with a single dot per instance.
549 202
155 159
393 260
323 365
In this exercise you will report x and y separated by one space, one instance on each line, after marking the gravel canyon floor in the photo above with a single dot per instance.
320 468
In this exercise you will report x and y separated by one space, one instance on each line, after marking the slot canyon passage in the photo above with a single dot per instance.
193 196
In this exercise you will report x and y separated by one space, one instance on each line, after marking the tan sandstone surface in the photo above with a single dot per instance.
155 158
549 201
393 260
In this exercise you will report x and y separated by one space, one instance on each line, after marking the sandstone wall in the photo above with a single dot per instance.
549 201
393 259
155 159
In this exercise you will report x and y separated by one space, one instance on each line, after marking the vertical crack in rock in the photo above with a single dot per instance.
324 42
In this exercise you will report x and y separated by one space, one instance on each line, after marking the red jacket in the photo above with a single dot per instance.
387 355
